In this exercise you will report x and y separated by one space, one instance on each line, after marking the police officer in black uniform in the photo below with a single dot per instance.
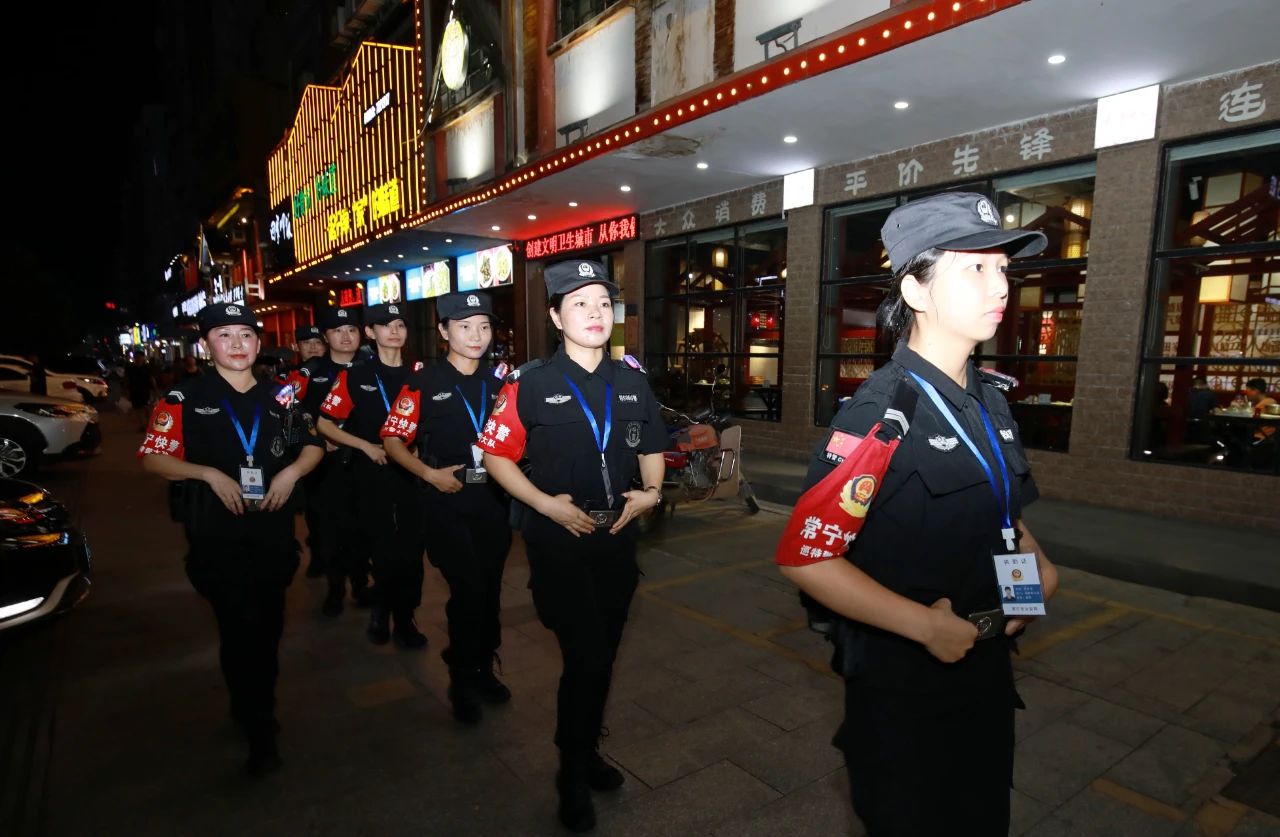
440 411
590 429
386 498
330 488
229 446
928 733
309 344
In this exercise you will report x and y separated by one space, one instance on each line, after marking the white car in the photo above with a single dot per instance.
73 386
36 427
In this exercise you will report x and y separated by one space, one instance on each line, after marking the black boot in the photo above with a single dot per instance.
576 811
490 687
263 755
406 632
463 696
360 595
379 630
601 775
333 601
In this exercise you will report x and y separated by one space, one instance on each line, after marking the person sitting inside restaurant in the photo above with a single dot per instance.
1255 390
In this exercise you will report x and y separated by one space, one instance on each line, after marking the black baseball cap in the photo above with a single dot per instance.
331 318
224 314
953 221
463 305
306 332
383 314
566 277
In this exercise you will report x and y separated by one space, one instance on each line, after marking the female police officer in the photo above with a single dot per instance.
928 731
588 426
441 410
224 434
385 501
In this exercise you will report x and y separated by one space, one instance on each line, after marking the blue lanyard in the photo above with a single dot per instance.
383 392
247 443
601 439
476 420
1007 529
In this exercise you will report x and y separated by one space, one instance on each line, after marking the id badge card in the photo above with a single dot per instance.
252 485
1018 580
477 473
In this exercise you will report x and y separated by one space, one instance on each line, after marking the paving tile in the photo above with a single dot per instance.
792 707
1024 813
1046 702
1115 722
1091 813
818 809
790 761
694 805
707 697
1168 765
684 749
1060 760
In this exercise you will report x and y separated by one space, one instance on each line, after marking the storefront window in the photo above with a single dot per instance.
714 314
1038 340
570 14
1214 321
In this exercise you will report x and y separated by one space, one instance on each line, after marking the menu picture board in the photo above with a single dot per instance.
427 281
490 268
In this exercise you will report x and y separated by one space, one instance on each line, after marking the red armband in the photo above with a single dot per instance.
337 404
402 421
164 432
504 434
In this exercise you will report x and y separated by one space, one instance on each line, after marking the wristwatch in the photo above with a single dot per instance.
657 489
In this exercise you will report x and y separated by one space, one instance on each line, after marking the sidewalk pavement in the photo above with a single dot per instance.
1184 556
1149 712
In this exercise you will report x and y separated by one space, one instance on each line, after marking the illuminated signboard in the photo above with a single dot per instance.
349 296
582 238
453 55
192 304
486 269
280 245
346 180
430 280
384 289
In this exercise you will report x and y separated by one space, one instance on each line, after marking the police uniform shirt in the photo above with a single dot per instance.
429 412
356 400
192 423
934 523
537 416
313 380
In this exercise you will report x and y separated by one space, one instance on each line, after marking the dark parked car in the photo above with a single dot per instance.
44 559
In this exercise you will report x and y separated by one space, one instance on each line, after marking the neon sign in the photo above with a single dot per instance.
614 231
366 211
371 112
354 295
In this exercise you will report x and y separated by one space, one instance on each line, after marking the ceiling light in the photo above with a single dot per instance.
702 165
533 217
1057 58
425 247
789 138
624 187
902 105
1009 219
448 241
495 228
386 261
573 203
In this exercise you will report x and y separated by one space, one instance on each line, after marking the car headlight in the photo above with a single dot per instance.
76 411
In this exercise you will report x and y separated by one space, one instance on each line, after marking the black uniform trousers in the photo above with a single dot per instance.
244 579
470 551
582 593
332 522
928 764
390 525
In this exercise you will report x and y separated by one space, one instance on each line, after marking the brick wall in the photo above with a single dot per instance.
644 54
722 51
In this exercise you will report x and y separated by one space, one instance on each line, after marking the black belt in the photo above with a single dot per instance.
990 623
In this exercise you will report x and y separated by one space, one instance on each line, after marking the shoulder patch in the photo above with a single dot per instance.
175 396
533 364
999 380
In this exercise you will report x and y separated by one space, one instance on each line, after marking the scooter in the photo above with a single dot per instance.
704 461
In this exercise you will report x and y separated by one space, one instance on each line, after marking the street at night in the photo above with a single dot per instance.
1142 705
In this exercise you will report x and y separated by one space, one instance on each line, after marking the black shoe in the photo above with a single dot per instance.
361 596
463 698
407 635
379 630
491 689
332 603
576 811
601 775
263 757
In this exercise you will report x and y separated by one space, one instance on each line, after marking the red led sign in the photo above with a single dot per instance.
353 295
582 238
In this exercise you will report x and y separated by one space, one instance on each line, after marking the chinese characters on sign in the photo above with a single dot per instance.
366 210
324 185
353 295
582 238
1242 104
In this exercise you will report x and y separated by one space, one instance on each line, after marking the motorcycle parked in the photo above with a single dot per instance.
704 461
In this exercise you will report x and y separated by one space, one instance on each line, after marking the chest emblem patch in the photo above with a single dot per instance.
163 422
277 447
556 399
208 411
634 399
856 495
946 444
441 396
405 406
320 380
633 434
1006 434
368 388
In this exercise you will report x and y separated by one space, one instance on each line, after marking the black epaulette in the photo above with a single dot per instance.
629 362
999 380
533 364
